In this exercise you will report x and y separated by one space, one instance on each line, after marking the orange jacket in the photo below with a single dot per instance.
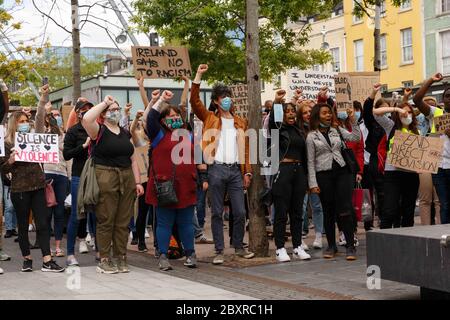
212 125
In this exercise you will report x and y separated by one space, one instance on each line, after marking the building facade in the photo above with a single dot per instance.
91 53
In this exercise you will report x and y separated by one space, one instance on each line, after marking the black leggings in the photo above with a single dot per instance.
288 189
336 187
24 202
141 221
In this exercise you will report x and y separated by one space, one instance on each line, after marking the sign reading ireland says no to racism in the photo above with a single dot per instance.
415 153
37 147
161 62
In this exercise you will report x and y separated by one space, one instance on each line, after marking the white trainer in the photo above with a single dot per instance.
1 271
147 235
317 244
83 248
304 246
282 255
342 241
300 254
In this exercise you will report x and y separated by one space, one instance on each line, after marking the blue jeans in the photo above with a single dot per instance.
166 218
441 182
201 199
60 187
10 213
72 225
317 213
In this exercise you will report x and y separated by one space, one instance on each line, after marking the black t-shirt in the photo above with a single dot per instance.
296 145
114 150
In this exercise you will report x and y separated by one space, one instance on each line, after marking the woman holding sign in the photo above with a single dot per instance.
330 175
400 186
28 188
118 178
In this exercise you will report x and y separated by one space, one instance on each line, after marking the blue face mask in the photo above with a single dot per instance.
323 125
226 104
59 121
342 115
23 128
357 115
421 118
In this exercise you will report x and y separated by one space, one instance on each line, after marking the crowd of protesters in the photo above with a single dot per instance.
324 154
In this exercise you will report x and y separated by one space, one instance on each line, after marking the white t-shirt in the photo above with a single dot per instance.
446 152
227 147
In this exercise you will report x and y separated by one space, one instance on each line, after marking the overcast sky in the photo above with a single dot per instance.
34 24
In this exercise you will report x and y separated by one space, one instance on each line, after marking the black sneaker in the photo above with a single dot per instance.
330 253
51 266
134 240
142 247
8 234
351 253
15 233
27 265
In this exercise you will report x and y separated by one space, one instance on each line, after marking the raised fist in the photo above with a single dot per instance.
377 86
437 77
202 68
167 95
139 114
279 95
109 100
140 81
155 94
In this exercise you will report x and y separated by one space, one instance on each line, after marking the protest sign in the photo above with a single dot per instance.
442 123
415 153
354 86
310 82
37 147
161 62
2 141
65 112
239 94
141 154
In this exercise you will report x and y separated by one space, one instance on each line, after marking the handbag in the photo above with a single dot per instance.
50 196
362 203
349 156
165 190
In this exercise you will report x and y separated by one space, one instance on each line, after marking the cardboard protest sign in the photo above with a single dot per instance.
239 95
354 86
2 141
415 153
37 147
65 112
442 123
161 62
310 82
142 160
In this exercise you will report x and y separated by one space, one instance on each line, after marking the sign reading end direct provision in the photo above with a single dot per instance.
37 147
161 62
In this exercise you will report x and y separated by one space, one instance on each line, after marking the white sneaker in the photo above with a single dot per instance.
88 238
317 244
31 228
342 241
304 246
1 271
147 235
282 255
300 254
83 248
356 242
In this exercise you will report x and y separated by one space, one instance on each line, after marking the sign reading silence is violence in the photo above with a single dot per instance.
161 62
36 147
415 153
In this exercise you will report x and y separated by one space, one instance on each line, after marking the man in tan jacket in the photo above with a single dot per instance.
226 151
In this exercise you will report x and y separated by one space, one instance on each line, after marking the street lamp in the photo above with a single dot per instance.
325 45
121 38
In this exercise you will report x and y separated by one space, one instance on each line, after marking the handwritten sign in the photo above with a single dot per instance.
239 95
161 62
415 153
37 147
442 123
65 111
2 141
311 82
142 160
354 86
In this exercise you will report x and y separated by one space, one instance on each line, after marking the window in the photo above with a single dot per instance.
407 48
355 18
445 36
384 88
408 84
316 67
277 82
383 51
336 64
445 6
359 55
405 5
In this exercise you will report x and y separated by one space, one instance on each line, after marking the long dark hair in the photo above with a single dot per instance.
397 120
52 124
314 123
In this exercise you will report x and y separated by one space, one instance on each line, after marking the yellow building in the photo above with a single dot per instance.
402 56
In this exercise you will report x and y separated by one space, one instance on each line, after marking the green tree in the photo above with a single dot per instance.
214 31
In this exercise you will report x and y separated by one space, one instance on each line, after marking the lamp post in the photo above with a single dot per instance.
325 45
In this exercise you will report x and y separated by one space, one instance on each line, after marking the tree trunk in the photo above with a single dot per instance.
76 67
258 235
377 37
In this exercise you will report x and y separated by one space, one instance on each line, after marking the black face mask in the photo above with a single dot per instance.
82 114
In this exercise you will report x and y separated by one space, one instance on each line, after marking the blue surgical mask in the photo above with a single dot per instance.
323 125
406 121
59 121
342 115
278 112
23 128
357 115
226 104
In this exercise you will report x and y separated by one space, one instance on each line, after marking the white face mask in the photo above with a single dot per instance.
406 121
113 117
